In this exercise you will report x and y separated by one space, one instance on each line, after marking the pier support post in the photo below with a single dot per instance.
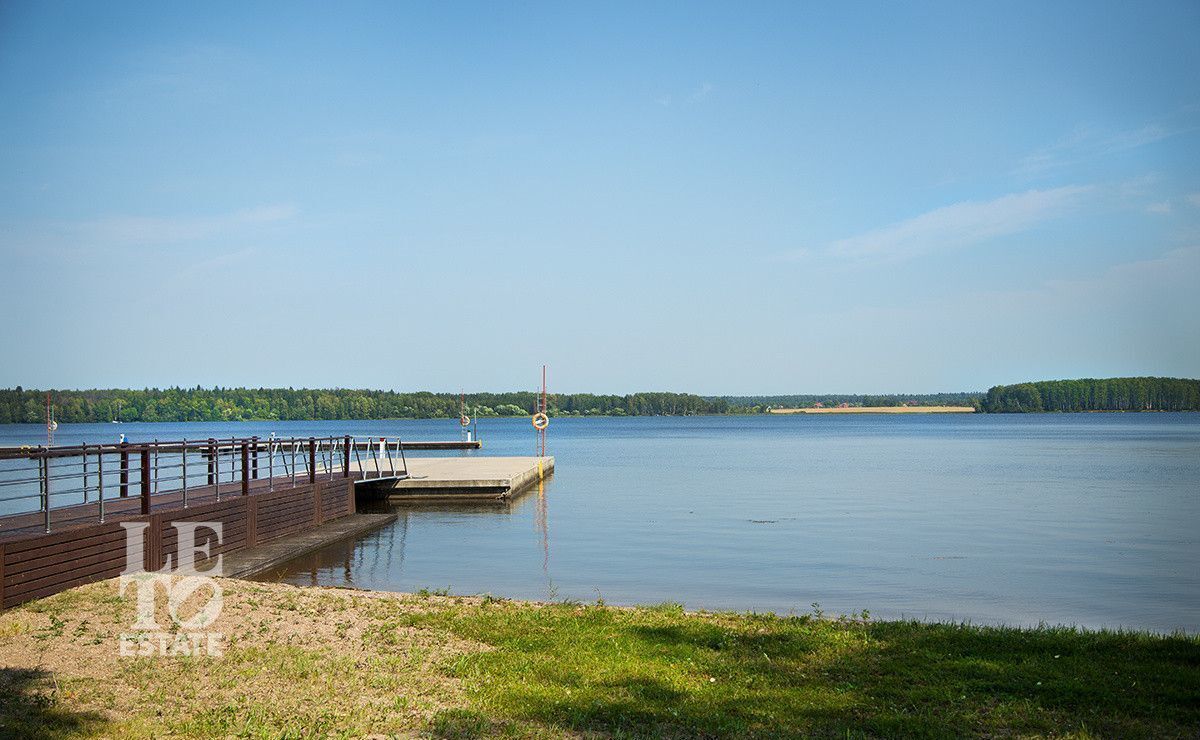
312 460
346 460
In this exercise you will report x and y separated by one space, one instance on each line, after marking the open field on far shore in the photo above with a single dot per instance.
881 410
305 662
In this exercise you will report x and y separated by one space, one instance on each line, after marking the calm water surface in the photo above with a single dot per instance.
1088 519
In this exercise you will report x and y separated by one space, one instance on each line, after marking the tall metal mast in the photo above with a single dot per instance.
542 431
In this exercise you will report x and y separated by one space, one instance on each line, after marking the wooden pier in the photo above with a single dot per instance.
67 504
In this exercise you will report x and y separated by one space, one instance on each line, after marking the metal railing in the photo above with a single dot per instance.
92 482
379 450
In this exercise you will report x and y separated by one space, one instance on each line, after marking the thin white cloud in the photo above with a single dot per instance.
1125 277
216 264
1131 318
191 74
1194 199
698 95
957 225
1159 208
1088 142
138 230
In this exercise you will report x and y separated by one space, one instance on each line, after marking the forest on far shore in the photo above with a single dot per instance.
1092 394
20 405
302 404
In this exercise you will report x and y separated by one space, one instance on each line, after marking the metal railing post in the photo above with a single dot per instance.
346 459
146 480
124 470
254 463
100 480
212 461
183 474
312 460
246 469
214 468
45 471
85 475
270 466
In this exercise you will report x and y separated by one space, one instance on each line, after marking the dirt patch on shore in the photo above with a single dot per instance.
308 659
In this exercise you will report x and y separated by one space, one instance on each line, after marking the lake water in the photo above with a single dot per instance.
1087 519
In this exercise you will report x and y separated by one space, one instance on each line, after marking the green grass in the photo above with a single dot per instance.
662 672
337 663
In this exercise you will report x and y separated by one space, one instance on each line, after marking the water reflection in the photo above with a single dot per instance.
380 555
343 563
543 525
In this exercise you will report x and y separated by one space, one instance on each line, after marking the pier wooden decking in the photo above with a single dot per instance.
60 545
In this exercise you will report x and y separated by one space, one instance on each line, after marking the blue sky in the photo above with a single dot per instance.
716 198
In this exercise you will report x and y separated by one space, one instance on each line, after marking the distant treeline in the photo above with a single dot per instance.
892 399
18 405
249 404
1088 394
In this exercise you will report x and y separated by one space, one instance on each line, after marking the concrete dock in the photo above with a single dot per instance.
455 478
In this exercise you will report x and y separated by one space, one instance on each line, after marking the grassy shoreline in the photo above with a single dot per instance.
314 661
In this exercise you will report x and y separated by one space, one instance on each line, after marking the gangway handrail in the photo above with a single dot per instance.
183 470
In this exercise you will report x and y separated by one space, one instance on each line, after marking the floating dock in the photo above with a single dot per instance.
462 478
466 444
